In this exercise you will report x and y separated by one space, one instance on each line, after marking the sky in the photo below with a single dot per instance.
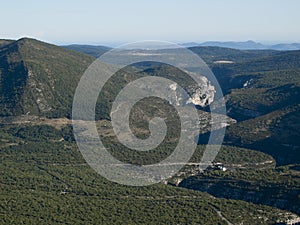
117 21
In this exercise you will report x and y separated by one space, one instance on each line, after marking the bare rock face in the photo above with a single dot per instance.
202 95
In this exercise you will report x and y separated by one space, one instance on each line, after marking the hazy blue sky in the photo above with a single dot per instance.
97 21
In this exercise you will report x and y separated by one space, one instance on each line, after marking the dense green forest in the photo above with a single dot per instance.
44 179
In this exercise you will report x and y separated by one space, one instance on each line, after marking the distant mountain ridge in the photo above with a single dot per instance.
93 50
4 42
246 45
